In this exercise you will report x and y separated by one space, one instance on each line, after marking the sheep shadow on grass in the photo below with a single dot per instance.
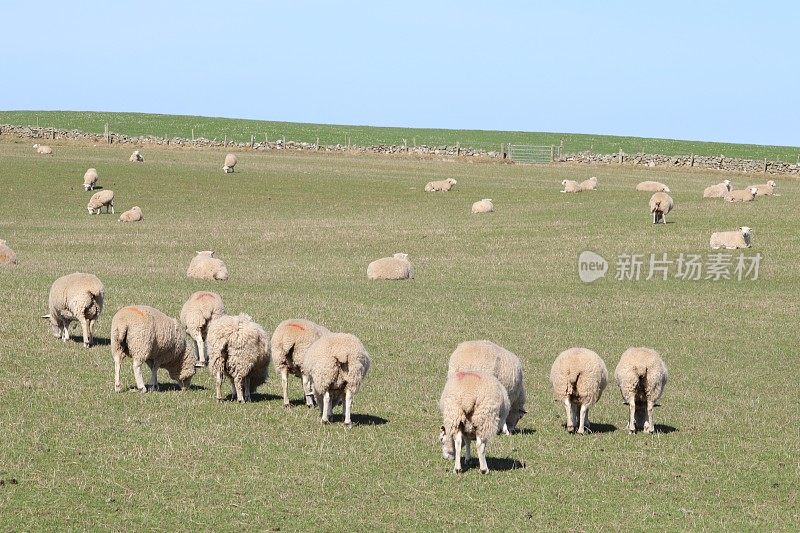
267 397
500 464
524 431
597 427
172 386
662 428
359 419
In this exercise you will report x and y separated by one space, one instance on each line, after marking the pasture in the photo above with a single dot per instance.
297 231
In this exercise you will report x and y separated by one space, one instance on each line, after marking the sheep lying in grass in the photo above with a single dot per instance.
717 191
660 204
205 266
589 185
134 214
731 240
8 257
100 199
652 186
474 405
43 149
230 162
197 312
148 336
742 195
136 157
578 377
290 343
483 206
765 189
239 349
395 267
337 364
89 179
499 362
571 186
73 297
440 186
641 375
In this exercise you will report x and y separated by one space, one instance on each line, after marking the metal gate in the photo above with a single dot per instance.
529 153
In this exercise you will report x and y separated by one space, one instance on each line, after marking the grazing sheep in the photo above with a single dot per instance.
652 186
765 189
660 204
100 199
230 162
731 240
72 297
134 214
717 191
43 149
571 186
239 349
589 185
136 157
201 308
483 206
205 266
148 336
578 377
8 257
337 364
499 362
89 179
641 375
473 406
396 267
742 195
290 343
440 186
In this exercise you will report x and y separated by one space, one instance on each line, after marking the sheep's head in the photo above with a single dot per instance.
563 182
206 253
593 178
90 208
55 327
746 232
36 146
87 186
513 418
753 191
401 256
666 189
772 183
726 182
448 447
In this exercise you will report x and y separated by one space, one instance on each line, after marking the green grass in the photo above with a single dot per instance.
241 130
297 231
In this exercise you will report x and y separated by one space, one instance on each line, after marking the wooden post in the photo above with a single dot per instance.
765 165
226 140
266 140
192 134
692 162
552 153
414 140
108 139
317 143
405 145
252 141
458 148
619 156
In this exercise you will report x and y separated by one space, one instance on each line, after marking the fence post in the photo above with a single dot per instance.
252 141
226 140
619 156
108 140
266 139
765 165
458 148
552 153
415 141
192 134
317 143
692 162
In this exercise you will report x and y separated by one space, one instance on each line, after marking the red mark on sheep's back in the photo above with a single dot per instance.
136 311
297 326
462 375
204 296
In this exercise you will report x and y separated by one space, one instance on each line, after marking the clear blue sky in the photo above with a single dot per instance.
722 71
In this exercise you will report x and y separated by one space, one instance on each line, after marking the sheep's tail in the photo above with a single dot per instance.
572 384
119 341
657 207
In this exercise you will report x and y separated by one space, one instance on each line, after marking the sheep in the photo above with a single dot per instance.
205 266
230 162
589 185
571 186
136 157
89 179
76 296
499 362
199 310
717 191
440 186
290 343
641 375
43 149
337 364
474 405
239 349
731 240
147 335
395 267
483 206
765 189
652 186
8 257
660 204
742 195
134 214
100 199
578 377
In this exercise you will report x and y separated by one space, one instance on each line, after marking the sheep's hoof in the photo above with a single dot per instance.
581 431
143 390
200 364
458 470
485 471
324 421
117 388
220 400
348 425
87 344
287 405
631 431
570 429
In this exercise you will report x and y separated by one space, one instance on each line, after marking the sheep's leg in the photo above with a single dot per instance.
663 218
348 402
65 331
649 427
153 376
137 373
85 332
218 377
309 394
247 389
92 324
112 209
201 350
467 451
505 429
326 407
319 400
239 384
233 388
632 422
117 369
582 424
570 419
285 386
482 456
457 449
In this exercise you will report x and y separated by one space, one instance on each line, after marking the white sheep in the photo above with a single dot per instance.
197 312
440 186
43 149
89 179
717 191
731 240
578 377
641 375
136 157
504 365
395 267
660 204
474 405
742 195
239 349
100 199
571 186
134 214
8 257
765 189
290 343
205 266
337 364
652 186
150 337
483 206
73 297
230 162
589 184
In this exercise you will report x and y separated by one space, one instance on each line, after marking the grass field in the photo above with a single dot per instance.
241 130
297 231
